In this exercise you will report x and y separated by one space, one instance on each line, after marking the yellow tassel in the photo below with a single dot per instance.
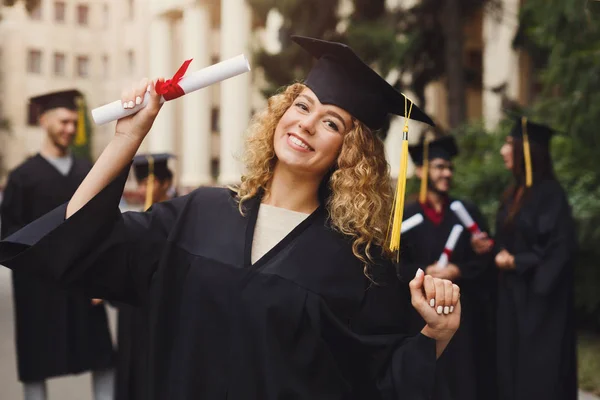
425 172
398 205
526 153
149 183
80 137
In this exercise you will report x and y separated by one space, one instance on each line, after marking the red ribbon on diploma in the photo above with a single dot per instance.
473 228
447 252
170 88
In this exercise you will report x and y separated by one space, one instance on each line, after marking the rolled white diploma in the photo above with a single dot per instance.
464 216
189 83
411 222
450 245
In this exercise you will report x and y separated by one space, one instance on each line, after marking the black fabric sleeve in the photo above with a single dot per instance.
108 254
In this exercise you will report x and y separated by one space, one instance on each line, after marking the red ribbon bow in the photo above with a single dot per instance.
170 88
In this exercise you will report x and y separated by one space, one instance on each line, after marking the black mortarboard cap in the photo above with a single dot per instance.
341 78
141 165
537 133
444 148
61 99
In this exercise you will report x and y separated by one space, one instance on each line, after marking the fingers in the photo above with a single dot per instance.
447 296
429 287
416 285
455 296
440 296
135 95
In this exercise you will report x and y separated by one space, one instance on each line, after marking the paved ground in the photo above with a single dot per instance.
72 388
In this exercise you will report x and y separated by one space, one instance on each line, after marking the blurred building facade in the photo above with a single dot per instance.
96 46
99 46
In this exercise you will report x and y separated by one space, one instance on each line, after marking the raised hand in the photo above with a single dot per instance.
138 125
438 303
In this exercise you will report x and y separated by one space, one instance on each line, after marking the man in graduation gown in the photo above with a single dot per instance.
465 371
154 180
58 332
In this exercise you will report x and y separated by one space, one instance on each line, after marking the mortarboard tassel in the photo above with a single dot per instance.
398 205
149 183
526 153
425 172
80 137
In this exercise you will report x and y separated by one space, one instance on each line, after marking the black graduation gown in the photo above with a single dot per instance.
58 332
300 323
536 324
132 342
465 370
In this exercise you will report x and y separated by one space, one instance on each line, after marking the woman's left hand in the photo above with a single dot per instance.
505 260
437 301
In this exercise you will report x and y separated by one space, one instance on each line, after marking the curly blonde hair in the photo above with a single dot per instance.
359 188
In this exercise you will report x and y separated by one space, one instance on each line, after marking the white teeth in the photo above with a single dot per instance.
299 142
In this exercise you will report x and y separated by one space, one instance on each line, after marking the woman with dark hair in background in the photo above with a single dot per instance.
534 251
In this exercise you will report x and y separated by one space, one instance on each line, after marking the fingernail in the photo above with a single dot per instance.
451 308
125 104
446 310
131 104
138 100
440 309
149 88
419 273
432 302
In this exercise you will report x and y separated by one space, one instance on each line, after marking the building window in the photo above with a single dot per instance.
131 62
32 114
82 66
130 9
34 62
105 16
82 14
36 13
59 64
214 119
59 11
105 66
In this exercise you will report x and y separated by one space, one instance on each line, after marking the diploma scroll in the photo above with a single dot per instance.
189 83
411 222
450 245
464 216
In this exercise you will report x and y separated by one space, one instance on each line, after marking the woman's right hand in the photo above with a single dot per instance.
481 243
138 125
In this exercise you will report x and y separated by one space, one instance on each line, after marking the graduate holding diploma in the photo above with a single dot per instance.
281 288
440 245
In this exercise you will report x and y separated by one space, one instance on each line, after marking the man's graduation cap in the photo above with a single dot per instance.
341 78
62 99
151 166
427 150
531 131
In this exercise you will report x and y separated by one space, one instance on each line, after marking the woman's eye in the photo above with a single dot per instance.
302 106
333 125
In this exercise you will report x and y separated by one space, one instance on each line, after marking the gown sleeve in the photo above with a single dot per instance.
554 242
12 215
107 254
402 365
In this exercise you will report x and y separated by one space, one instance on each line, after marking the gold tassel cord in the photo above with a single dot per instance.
80 136
399 197
526 153
149 183
425 172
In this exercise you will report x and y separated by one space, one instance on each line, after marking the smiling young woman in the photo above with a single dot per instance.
280 287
